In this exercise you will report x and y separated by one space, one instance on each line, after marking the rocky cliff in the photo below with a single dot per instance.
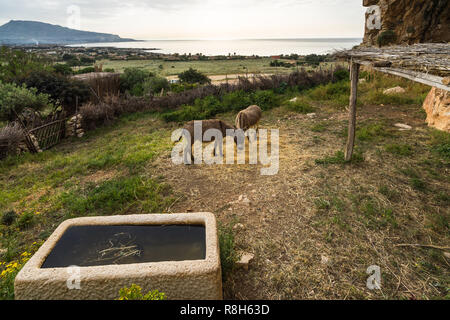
406 21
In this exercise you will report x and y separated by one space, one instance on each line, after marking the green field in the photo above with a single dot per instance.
213 67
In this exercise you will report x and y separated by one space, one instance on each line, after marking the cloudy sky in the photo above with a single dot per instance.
197 19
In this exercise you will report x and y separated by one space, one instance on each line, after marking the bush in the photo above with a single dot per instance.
135 293
26 220
63 69
11 136
8 218
133 79
60 89
386 37
85 70
341 74
155 85
14 99
193 76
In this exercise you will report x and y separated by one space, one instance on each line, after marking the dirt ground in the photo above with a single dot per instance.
310 226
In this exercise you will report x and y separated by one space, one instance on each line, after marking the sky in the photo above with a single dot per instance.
197 19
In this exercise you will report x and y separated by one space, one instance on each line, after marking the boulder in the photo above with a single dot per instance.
395 90
437 107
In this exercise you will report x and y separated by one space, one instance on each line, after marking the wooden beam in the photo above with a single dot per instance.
354 78
428 79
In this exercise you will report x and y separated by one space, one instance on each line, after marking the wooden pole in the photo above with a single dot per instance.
354 78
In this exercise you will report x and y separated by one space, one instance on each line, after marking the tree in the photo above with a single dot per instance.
14 99
16 64
193 76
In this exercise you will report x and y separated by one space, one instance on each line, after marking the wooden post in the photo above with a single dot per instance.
354 78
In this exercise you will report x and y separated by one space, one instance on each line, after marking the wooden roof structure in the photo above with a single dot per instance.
427 63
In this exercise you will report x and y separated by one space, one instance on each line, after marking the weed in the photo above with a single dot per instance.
8 218
26 220
320 127
135 293
228 254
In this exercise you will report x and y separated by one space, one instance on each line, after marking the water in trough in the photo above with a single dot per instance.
117 245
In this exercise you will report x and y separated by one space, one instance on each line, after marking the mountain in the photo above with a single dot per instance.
32 32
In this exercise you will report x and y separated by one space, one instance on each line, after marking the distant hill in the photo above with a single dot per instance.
32 32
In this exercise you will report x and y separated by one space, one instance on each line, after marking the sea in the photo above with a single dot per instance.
263 47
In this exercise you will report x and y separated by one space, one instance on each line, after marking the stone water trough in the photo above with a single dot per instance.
93 258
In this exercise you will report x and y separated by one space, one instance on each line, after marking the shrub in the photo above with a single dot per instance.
341 74
133 79
14 99
63 69
155 85
386 37
11 136
85 70
59 88
8 218
135 293
266 100
193 76
26 220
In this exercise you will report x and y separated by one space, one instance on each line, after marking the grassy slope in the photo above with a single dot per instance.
397 192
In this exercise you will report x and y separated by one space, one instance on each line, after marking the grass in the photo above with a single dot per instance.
108 172
314 228
404 150
440 144
219 67
301 106
228 254
339 158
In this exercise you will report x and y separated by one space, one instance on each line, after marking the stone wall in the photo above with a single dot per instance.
407 21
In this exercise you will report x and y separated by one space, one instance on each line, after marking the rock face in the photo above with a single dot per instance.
407 21
437 107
